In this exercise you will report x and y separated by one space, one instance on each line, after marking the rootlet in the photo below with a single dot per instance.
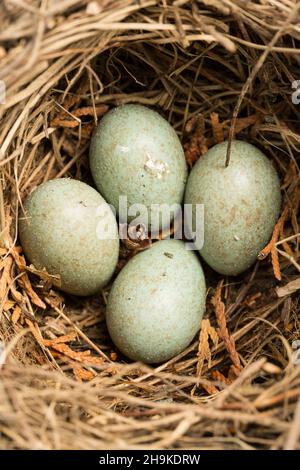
150 459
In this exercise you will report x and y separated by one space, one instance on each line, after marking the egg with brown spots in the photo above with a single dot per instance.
157 302
241 204
136 154
69 229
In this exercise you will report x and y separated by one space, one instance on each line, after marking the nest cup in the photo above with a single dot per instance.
215 70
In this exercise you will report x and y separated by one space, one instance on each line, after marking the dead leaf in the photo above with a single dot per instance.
61 339
207 332
223 332
271 246
197 144
81 373
66 120
35 332
24 280
8 304
16 314
45 276
217 128
113 356
5 279
79 356
244 122
217 375
209 388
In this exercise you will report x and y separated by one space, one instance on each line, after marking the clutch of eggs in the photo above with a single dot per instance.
157 301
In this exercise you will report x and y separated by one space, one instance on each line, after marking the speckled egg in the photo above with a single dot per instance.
241 204
70 230
136 153
157 302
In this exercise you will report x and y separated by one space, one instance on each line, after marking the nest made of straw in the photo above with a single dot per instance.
215 69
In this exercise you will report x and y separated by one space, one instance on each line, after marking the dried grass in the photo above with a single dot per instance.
199 63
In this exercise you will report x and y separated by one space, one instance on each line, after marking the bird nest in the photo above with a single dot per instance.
216 70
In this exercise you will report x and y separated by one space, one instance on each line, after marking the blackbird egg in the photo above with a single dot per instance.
136 154
68 229
157 302
241 204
